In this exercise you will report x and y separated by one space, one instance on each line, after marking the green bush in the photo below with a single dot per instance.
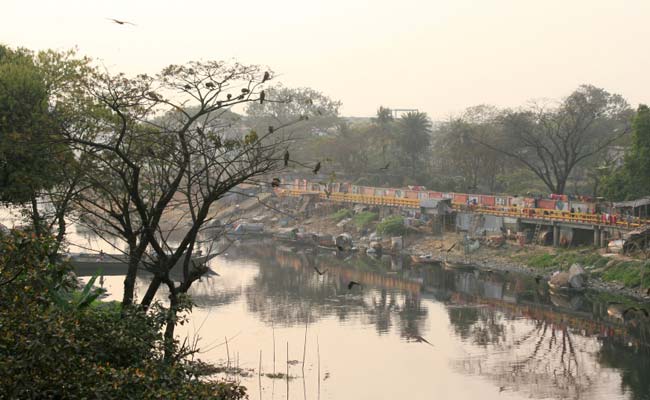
342 214
393 225
49 350
363 219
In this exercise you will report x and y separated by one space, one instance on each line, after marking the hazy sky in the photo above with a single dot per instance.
439 56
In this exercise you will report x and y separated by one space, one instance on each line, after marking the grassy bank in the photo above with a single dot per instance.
626 271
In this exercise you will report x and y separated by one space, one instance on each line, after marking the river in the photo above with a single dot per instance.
407 331
490 335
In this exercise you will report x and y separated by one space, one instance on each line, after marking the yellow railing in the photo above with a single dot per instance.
505 211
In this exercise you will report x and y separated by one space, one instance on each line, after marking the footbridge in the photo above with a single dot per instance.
536 218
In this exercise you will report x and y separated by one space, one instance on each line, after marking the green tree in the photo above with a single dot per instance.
552 140
414 140
632 180
35 164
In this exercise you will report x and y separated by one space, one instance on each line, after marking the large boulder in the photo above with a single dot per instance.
559 280
577 276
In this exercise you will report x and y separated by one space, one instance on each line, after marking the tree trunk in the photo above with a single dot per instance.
36 217
151 292
135 255
170 325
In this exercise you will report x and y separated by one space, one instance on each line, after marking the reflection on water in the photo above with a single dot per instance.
494 335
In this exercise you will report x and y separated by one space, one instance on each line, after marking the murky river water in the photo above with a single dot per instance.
491 335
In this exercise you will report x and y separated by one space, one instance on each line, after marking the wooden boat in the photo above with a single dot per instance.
425 259
116 264
458 266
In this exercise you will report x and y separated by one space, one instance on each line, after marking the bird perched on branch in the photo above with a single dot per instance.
352 283
244 90
229 96
317 168
209 85
266 77
262 96
119 22
286 152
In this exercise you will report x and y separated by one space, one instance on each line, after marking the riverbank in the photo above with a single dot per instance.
612 273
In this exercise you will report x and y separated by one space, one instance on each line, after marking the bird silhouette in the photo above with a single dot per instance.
119 22
286 152
209 85
266 77
244 90
271 129
229 96
188 87
317 168
319 271
262 96
643 310
352 283
385 167
419 339
153 95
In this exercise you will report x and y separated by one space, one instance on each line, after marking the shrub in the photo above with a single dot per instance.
49 350
393 225
363 219
342 214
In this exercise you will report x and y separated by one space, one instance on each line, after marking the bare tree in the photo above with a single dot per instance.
159 163
552 141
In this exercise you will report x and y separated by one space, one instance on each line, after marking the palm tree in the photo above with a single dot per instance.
384 122
414 137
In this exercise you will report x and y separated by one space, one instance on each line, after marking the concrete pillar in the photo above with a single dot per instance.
596 236
556 235
604 237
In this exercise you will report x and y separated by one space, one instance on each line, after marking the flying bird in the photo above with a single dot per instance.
419 339
262 96
119 22
286 152
266 77
352 283
319 271
317 168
